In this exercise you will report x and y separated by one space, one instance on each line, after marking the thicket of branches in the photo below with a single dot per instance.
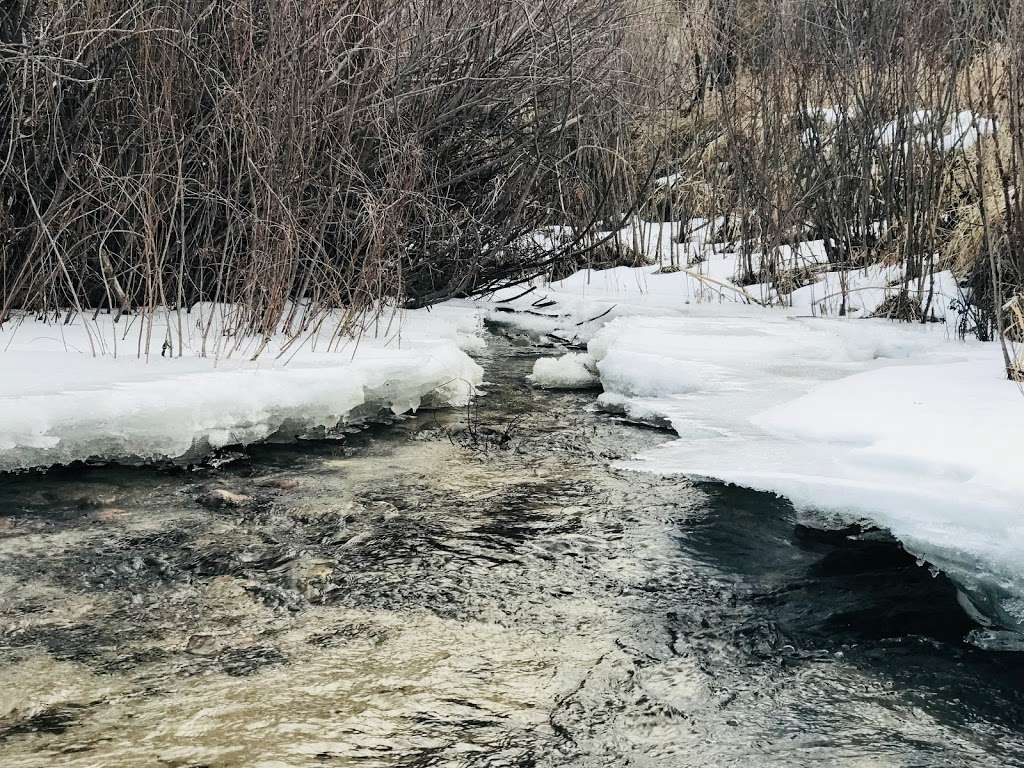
832 120
289 157
294 156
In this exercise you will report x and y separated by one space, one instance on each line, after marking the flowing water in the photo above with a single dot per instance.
474 588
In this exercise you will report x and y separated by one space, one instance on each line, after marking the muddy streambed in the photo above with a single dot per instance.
473 588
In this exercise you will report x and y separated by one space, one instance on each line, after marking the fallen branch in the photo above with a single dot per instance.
598 317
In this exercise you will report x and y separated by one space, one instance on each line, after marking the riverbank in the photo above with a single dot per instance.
473 588
177 386
852 419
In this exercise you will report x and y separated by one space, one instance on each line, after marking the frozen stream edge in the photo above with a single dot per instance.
864 420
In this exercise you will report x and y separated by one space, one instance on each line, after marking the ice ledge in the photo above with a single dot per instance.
899 425
59 403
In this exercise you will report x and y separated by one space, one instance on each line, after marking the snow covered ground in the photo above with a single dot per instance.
572 310
86 390
901 425
894 424
850 418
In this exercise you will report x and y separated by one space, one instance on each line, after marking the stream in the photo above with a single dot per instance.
473 588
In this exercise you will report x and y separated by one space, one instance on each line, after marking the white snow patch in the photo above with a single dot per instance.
570 371
964 129
667 181
866 419
574 309
81 390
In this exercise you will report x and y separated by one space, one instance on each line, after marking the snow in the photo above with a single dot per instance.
571 371
574 309
862 292
964 129
893 424
82 390
832 115
900 425
667 181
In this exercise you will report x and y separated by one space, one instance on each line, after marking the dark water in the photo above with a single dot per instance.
473 589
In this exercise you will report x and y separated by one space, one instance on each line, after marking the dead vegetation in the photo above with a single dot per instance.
292 157
893 133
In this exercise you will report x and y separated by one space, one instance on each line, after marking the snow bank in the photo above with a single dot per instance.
868 420
577 307
87 390
570 371
901 425
574 309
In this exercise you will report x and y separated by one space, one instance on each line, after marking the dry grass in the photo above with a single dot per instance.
765 157
1014 309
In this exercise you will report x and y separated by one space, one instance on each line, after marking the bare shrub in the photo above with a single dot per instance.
891 132
287 157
